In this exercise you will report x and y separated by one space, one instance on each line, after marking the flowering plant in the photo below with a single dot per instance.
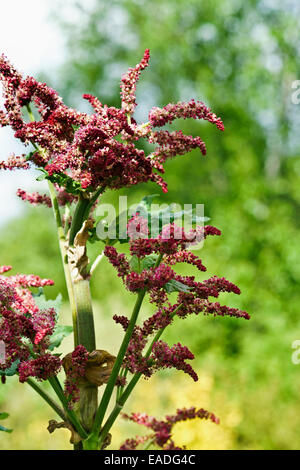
82 155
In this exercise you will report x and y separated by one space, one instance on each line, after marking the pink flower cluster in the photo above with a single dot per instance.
137 227
14 162
159 279
171 243
158 117
85 149
75 372
24 328
162 429
162 355
172 144
128 84
41 368
171 239
166 357
36 198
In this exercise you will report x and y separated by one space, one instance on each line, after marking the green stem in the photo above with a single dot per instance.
82 316
63 250
117 365
96 263
82 213
158 261
128 390
47 398
92 201
30 113
148 444
118 408
108 391
121 388
78 218
85 319
88 402
54 382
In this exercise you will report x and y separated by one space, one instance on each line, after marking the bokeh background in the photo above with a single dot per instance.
241 59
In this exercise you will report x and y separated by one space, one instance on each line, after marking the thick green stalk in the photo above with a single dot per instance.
85 318
81 306
88 401
63 250
82 316
117 365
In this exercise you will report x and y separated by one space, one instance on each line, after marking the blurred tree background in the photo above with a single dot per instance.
241 59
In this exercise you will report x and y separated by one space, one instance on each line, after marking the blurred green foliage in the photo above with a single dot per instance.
241 59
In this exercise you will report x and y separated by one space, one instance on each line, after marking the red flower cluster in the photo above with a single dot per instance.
84 150
150 269
162 436
25 329
128 84
42 367
158 117
35 198
14 162
166 357
75 372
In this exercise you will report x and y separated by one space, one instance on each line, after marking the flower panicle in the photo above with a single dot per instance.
128 84
75 372
73 147
15 162
34 198
162 429
171 247
26 329
158 117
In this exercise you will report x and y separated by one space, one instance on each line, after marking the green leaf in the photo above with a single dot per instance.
43 304
41 177
71 186
149 261
134 264
138 265
60 332
156 220
12 370
176 286
30 154
2 428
